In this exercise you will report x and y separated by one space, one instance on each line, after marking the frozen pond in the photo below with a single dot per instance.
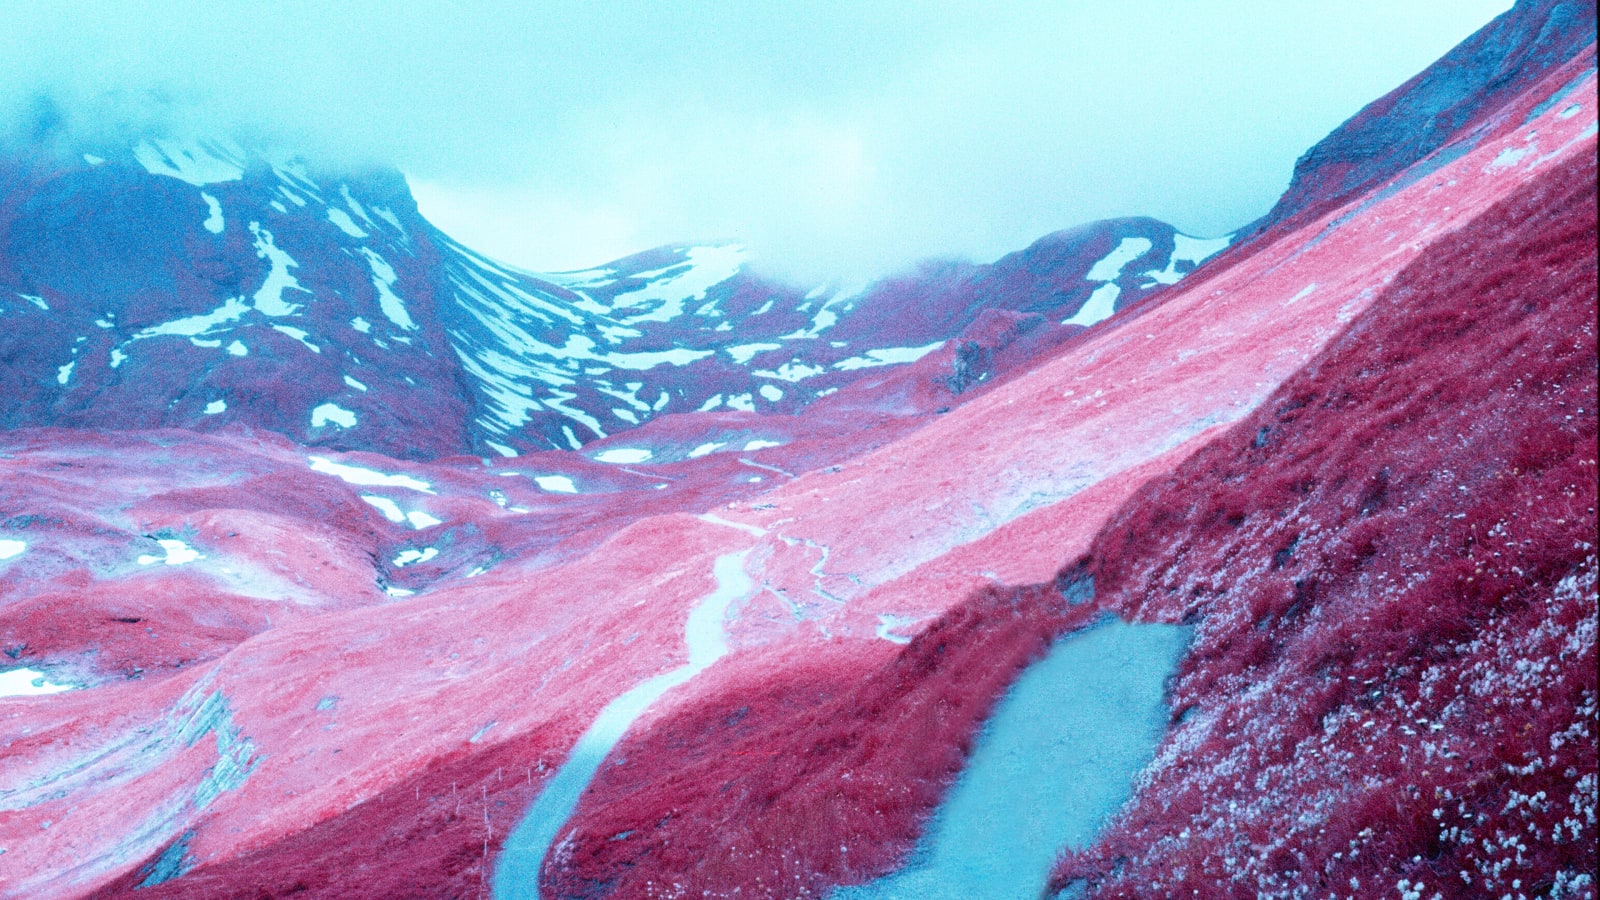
1056 759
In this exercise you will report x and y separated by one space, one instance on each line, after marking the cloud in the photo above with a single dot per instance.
835 138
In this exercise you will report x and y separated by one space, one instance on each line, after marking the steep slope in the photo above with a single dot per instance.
1392 567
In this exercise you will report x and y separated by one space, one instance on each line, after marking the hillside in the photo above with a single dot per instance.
1128 565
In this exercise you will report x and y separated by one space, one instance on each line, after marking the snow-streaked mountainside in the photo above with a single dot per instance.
196 284
1129 565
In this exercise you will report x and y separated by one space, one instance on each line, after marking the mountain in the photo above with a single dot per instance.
199 285
1279 580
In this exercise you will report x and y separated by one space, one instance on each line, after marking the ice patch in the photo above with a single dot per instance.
64 373
213 222
1109 267
742 402
332 413
216 406
712 402
117 357
412 557
355 384
192 162
237 348
624 455
389 508
269 298
174 553
28 683
36 301
704 449
361 325
501 449
887 356
346 224
772 394
1099 307
10 548
559 484
761 445
1570 111
93 160
383 279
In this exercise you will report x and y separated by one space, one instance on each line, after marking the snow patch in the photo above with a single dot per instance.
558 484
64 373
355 384
702 269
420 520
772 394
389 508
332 413
192 162
704 449
10 548
213 222
761 445
1099 307
237 348
1109 267
28 683
174 553
366 477
743 353
346 224
269 298
887 356
299 335
412 557
216 406
383 279
624 455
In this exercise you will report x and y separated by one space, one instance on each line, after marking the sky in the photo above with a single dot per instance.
834 138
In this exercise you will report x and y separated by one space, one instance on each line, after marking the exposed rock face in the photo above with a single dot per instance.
1441 105
279 655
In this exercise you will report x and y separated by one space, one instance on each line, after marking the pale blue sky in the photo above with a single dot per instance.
833 137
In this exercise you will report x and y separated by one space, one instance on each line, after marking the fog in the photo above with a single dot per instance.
833 138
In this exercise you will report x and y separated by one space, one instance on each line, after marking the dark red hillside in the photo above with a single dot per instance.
1392 566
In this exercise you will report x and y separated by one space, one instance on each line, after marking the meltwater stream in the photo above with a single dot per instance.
517 873
1054 761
